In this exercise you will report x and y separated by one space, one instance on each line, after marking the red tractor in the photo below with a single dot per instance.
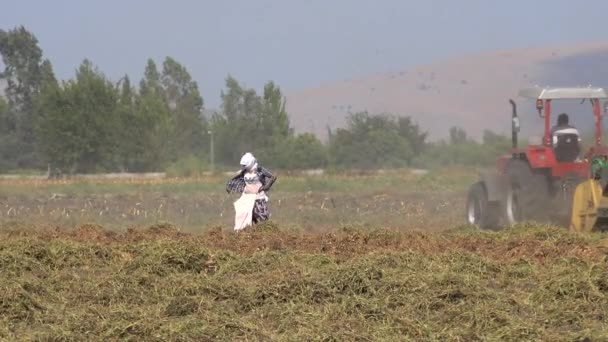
538 182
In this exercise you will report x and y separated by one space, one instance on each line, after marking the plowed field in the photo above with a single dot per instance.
346 274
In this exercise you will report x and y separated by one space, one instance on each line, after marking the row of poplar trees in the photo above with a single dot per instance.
92 124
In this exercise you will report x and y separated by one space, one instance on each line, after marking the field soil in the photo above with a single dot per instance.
158 283
363 258
399 200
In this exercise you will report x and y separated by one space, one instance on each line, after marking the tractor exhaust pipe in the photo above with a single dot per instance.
514 124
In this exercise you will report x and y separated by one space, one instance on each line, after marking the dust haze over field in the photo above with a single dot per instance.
469 91
530 283
438 61
195 204
367 239
367 257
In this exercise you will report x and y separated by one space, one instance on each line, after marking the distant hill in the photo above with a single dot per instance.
468 91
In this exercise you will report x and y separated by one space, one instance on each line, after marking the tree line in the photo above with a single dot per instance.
93 124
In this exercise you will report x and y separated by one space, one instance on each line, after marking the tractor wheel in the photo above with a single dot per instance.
527 196
480 212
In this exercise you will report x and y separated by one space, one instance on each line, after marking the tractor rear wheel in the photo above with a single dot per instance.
480 212
527 196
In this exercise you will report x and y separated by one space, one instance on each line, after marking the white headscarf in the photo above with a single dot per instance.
248 161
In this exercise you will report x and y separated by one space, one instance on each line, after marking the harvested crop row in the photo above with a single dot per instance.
160 284
531 242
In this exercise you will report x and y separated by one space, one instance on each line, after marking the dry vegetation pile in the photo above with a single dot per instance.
153 284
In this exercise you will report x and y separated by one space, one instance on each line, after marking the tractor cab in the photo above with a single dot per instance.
561 153
538 182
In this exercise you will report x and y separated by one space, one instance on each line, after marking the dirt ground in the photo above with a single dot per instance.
195 212
343 258
162 284
528 242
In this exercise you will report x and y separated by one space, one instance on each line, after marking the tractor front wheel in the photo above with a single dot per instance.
527 196
512 206
480 212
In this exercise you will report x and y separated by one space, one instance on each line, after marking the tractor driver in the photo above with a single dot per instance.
566 140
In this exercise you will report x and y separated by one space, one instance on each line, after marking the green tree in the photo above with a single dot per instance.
260 124
26 74
238 128
4 119
495 144
465 152
186 106
458 136
414 135
129 150
275 120
273 127
491 138
79 130
304 151
153 124
369 142
10 149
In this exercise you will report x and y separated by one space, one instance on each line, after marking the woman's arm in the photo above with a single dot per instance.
270 179
236 184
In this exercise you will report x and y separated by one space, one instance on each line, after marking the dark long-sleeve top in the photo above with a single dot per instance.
237 183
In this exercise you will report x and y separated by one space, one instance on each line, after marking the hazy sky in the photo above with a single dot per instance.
298 44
